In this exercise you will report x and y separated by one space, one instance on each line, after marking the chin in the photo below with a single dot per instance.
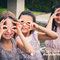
58 23
7 38
24 31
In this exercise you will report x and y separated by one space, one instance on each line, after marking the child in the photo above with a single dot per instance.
8 46
27 20
54 24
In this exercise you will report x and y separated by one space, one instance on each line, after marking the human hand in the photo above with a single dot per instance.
57 10
34 26
2 27
56 13
17 27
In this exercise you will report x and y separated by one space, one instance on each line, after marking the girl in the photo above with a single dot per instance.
8 46
27 20
54 24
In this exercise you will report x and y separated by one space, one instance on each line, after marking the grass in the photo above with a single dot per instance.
42 41
3 9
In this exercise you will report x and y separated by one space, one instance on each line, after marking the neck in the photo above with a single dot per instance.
26 34
58 25
5 41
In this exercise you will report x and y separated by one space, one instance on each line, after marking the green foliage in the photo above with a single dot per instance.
3 9
42 41
41 5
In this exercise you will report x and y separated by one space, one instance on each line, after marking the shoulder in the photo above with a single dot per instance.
35 34
14 41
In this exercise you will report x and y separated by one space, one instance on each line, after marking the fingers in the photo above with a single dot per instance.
57 10
16 23
19 20
2 30
19 27
32 26
3 27
55 15
2 22
14 30
14 27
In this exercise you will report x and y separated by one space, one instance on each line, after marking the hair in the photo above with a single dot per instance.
54 27
30 14
8 14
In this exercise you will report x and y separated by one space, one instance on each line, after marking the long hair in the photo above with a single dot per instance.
54 27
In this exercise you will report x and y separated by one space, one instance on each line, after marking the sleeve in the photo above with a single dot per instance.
18 37
36 34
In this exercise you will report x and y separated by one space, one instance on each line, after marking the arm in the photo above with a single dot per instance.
23 44
49 25
46 33
44 36
54 16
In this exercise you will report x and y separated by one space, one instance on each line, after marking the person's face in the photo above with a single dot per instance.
25 21
57 20
8 33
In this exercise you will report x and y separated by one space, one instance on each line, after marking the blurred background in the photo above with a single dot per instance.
36 6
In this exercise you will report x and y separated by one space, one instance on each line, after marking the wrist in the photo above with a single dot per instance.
38 27
19 32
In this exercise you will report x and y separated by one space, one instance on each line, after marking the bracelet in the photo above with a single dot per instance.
31 54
